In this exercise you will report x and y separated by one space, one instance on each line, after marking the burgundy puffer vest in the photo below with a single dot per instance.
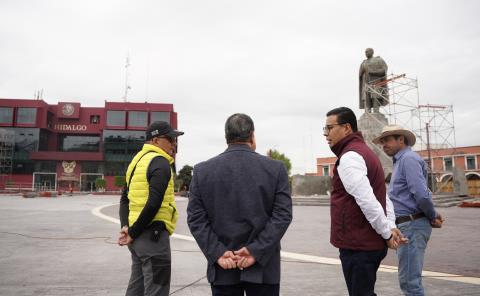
350 229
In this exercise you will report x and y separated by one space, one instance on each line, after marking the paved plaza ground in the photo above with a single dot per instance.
61 246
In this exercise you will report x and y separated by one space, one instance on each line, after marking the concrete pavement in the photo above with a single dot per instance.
56 246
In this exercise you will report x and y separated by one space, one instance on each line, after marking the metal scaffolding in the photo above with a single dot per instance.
432 124
7 145
405 109
438 122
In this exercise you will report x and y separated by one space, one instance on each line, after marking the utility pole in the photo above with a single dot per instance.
427 126
127 87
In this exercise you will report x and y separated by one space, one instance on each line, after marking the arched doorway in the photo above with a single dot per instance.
473 182
445 185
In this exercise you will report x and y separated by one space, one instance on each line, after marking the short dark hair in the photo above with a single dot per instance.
405 140
238 128
345 115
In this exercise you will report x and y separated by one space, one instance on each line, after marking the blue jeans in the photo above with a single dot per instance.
410 256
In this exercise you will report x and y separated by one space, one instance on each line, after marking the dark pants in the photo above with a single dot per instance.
151 265
250 288
360 270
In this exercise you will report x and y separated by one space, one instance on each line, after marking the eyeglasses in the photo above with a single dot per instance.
329 127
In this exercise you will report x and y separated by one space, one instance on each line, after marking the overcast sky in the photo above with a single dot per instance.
285 63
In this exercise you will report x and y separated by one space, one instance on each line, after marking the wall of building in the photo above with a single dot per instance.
325 161
438 156
67 120
310 185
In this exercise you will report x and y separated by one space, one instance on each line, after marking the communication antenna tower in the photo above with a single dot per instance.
127 74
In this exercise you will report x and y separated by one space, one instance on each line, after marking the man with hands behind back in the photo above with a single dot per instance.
148 213
239 209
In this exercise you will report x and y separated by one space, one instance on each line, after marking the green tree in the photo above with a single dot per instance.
274 154
119 181
100 184
184 177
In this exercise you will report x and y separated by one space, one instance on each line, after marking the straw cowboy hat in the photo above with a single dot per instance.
392 130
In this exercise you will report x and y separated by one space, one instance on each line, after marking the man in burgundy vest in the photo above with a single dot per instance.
362 216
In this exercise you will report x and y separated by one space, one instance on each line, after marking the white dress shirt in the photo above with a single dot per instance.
352 170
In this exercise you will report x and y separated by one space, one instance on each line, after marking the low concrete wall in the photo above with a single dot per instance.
310 185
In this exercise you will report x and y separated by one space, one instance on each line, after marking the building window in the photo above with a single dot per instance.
325 170
92 167
110 136
26 115
49 119
94 119
6 115
471 162
79 143
26 140
160 116
121 146
429 163
43 140
23 167
45 166
116 118
447 163
116 168
137 119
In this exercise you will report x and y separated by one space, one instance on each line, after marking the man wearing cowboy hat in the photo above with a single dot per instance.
412 200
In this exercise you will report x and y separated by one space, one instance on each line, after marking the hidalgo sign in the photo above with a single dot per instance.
70 127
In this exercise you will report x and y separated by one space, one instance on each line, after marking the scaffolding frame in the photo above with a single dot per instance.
7 146
432 124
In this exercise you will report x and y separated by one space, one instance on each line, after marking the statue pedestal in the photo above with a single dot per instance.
371 125
459 182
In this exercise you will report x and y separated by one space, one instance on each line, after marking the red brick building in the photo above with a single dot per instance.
443 161
62 146
325 166
464 158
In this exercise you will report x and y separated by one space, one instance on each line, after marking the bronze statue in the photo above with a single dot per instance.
372 85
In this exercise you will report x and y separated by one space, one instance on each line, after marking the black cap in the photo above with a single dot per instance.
161 128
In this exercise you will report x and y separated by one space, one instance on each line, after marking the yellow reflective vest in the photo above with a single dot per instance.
138 188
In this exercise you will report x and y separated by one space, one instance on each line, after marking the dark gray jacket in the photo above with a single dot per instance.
240 199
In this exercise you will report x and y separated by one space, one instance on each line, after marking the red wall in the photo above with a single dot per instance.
19 181
110 180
